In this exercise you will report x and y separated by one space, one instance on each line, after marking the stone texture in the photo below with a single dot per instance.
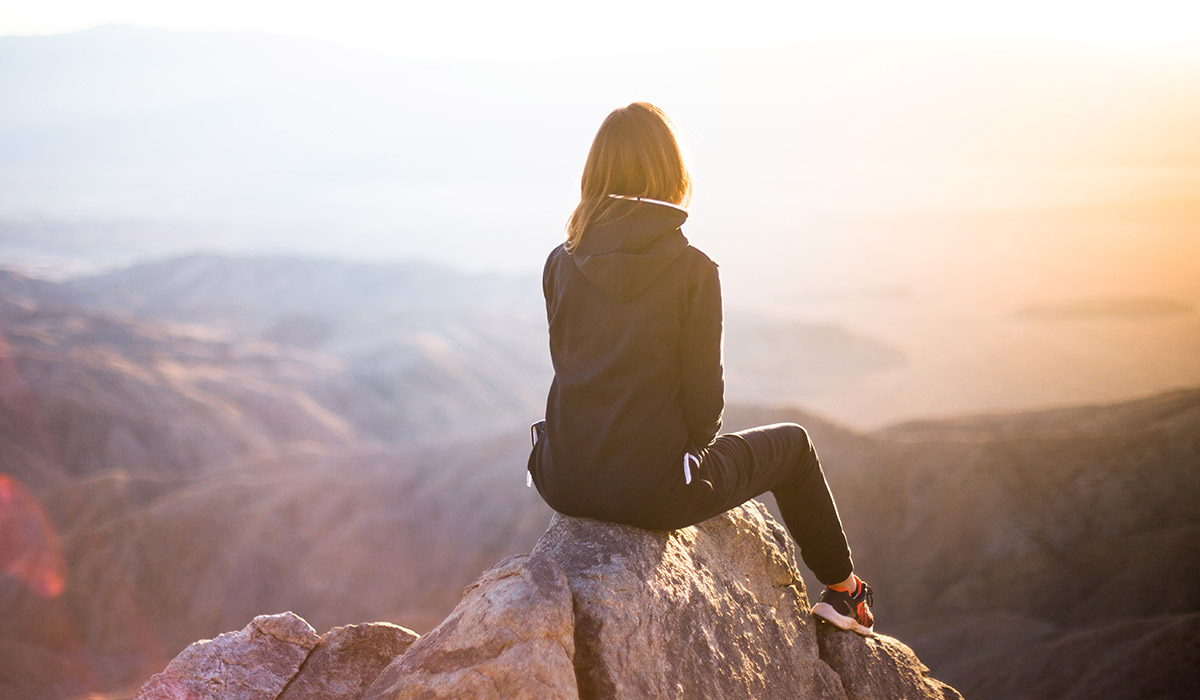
879 667
712 611
597 611
253 664
510 637
347 660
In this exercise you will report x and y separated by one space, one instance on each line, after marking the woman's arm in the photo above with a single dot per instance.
703 377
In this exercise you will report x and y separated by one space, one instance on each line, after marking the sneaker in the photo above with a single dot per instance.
849 612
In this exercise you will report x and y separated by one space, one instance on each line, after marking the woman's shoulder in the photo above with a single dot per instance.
550 271
699 257
558 252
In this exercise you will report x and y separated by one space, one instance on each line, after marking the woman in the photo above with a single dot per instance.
630 434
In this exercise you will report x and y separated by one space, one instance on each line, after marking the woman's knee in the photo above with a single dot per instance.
802 454
798 440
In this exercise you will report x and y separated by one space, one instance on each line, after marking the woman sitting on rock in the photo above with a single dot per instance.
632 417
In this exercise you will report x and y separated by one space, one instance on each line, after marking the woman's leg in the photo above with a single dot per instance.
778 458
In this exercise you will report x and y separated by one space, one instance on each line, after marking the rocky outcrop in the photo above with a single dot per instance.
713 611
280 656
253 664
879 668
511 637
596 610
346 660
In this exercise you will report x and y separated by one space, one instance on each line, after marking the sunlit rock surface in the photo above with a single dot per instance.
346 660
599 610
513 636
878 668
253 664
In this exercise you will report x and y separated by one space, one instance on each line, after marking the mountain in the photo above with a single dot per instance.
91 390
421 349
165 481
424 350
314 532
408 362
1005 546
154 562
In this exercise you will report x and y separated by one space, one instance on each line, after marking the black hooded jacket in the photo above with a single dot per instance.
635 338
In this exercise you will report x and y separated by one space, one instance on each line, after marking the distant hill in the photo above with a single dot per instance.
398 353
155 562
88 391
422 349
1047 554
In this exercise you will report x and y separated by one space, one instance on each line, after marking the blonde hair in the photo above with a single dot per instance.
635 154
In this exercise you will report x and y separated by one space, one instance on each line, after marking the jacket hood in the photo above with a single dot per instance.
630 247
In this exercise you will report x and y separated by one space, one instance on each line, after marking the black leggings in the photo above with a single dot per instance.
739 466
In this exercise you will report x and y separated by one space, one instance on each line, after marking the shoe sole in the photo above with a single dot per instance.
826 612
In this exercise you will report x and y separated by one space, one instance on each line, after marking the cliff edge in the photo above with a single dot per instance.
596 610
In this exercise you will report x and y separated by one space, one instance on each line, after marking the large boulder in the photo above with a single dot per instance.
713 611
718 610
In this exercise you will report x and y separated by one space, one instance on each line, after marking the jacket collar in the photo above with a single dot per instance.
631 245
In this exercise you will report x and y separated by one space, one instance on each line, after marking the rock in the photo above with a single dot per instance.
253 664
713 611
597 611
878 668
347 659
510 637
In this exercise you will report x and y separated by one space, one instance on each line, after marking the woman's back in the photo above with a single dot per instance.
635 338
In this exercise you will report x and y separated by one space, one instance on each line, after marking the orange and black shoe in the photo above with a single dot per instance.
849 612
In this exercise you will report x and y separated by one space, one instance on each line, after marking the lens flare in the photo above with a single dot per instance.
29 548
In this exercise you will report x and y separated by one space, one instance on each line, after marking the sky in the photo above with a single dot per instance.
521 29
1091 103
